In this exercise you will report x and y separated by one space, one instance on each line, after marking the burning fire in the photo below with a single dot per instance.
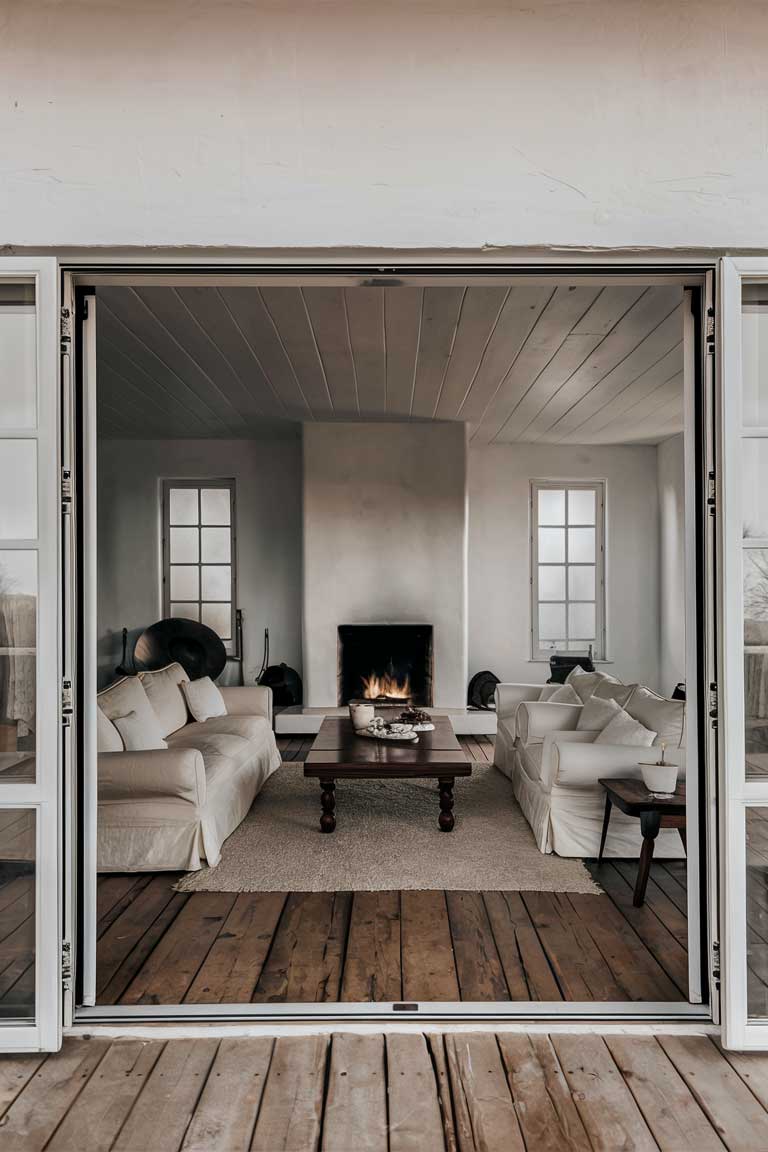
375 686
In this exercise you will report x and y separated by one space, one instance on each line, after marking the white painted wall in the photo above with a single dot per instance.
385 512
268 487
499 571
671 484
267 123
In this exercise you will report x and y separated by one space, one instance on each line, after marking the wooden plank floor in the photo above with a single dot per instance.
457 1092
157 946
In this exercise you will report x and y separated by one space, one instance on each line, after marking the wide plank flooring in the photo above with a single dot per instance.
414 1092
157 946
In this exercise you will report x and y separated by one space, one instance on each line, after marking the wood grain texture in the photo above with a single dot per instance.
356 1097
292 1105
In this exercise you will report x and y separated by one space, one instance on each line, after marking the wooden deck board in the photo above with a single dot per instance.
457 1092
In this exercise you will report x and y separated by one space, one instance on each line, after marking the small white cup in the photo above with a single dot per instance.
361 715
660 778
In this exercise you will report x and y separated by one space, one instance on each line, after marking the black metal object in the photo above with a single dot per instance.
285 682
561 665
481 690
193 645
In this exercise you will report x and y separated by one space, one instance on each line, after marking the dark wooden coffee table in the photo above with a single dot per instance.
654 812
338 754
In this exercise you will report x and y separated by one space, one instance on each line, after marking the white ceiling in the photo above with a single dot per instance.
573 364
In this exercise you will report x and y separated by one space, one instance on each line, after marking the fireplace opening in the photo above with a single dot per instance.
385 662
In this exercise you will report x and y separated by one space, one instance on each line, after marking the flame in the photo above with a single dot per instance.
375 686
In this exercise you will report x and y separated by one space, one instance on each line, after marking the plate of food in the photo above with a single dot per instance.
419 720
379 729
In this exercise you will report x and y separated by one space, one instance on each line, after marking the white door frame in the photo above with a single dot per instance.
292 269
45 795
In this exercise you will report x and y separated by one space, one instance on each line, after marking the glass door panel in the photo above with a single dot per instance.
30 865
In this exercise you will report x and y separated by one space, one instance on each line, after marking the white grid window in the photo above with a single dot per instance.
567 567
199 554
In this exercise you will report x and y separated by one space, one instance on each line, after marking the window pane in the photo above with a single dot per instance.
18 489
551 506
551 583
754 494
17 895
185 611
185 545
581 621
581 583
552 545
183 506
757 886
754 352
581 506
551 621
18 645
18 357
218 617
185 583
216 545
581 545
578 646
214 506
217 583
756 661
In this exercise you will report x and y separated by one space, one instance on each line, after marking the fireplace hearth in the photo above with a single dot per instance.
389 663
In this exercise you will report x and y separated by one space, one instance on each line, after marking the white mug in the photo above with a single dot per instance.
361 715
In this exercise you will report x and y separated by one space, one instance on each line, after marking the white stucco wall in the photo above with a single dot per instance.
671 482
385 513
426 123
499 567
268 492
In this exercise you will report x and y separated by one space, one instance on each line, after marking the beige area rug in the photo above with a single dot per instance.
386 838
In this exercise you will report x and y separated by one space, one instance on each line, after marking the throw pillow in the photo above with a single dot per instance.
622 729
666 717
128 695
613 690
548 692
566 694
163 688
585 683
596 714
107 736
139 733
203 698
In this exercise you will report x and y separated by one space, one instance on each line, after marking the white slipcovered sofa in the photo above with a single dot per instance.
555 766
171 808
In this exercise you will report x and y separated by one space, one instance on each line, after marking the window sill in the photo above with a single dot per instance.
543 660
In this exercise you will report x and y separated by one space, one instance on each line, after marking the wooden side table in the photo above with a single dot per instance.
655 812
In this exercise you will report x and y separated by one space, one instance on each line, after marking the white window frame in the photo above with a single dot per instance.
540 652
200 482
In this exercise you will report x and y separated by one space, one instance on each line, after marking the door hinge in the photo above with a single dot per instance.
65 331
713 701
66 491
711 494
709 331
67 707
66 965
716 960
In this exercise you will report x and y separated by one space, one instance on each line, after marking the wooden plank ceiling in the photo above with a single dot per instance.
571 364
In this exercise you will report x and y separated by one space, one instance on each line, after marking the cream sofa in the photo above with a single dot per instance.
554 767
172 808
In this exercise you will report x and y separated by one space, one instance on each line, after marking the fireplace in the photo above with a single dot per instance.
385 661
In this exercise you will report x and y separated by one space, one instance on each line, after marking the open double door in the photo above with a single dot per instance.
39 791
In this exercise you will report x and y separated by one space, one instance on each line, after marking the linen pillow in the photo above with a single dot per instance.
585 683
107 736
665 717
566 694
163 689
614 690
128 695
548 691
137 734
622 729
596 714
203 698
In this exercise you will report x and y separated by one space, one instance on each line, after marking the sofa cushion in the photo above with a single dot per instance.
255 728
548 691
596 714
623 729
585 683
128 695
163 689
566 694
204 699
107 736
614 690
140 733
213 745
664 717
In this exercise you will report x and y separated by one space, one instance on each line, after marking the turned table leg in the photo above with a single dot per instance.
650 822
328 804
446 820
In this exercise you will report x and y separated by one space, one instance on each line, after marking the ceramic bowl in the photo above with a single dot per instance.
660 778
